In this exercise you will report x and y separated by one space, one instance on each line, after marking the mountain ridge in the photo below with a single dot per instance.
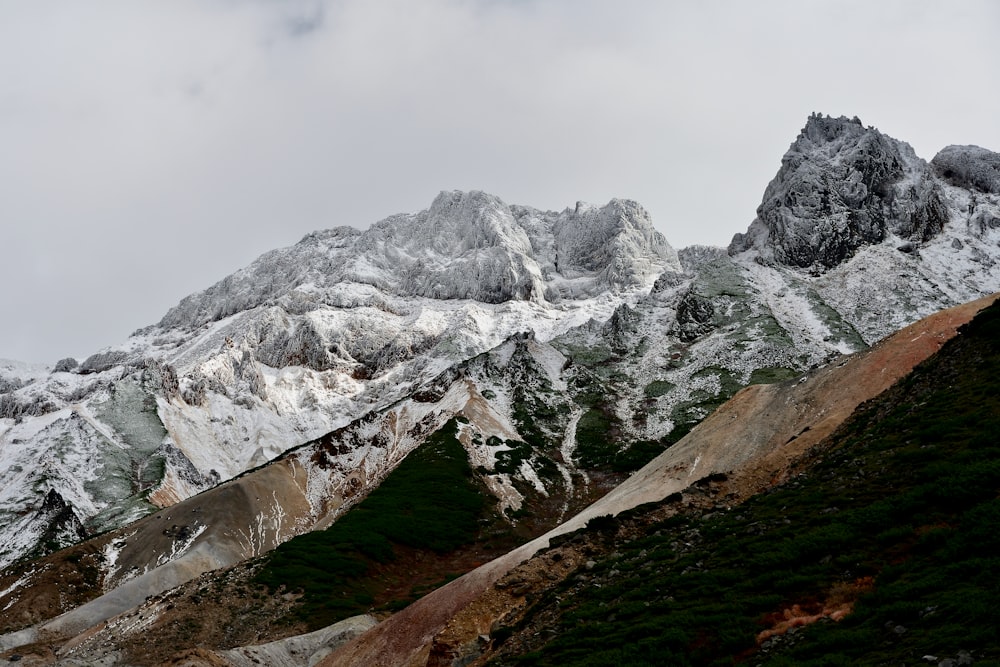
321 368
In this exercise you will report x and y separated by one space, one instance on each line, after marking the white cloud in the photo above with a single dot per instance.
150 148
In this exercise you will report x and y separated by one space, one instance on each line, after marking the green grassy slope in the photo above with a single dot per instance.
430 503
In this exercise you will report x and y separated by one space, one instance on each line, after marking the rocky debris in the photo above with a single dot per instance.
300 650
621 330
984 219
960 660
17 408
695 316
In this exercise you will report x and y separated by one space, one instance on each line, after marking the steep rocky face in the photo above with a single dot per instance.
977 171
842 186
589 247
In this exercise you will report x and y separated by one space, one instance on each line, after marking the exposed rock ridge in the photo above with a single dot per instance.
842 186
969 167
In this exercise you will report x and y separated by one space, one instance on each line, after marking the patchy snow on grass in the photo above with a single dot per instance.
111 552
790 307
530 476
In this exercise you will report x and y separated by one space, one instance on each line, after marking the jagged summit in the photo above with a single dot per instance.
842 186
467 245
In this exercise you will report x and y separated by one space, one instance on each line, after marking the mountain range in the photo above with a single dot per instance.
534 359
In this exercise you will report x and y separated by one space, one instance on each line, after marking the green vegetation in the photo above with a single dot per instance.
509 460
595 444
702 403
898 524
125 475
772 375
585 355
720 278
840 328
763 327
639 453
430 502
658 388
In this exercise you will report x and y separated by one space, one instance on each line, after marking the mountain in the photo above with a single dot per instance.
537 358
841 187
774 426
304 341
873 548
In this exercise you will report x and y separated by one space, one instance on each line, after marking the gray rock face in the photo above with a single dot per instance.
692 257
842 186
969 167
694 317
467 245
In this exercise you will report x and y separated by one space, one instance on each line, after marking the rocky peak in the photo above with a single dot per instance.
456 224
969 167
611 239
467 245
842 186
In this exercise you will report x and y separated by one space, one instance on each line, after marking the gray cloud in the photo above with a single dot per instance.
148 149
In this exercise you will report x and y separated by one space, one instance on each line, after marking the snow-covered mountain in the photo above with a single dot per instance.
303 341
842 186
576 346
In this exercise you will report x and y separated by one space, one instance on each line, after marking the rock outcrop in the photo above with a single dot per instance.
842 186
969 167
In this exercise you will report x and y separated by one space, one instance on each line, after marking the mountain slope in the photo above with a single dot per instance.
785 420
309 338
880 550
311 486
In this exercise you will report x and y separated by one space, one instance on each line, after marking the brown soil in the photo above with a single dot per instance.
58 582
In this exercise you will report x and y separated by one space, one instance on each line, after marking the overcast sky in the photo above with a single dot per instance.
148 149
